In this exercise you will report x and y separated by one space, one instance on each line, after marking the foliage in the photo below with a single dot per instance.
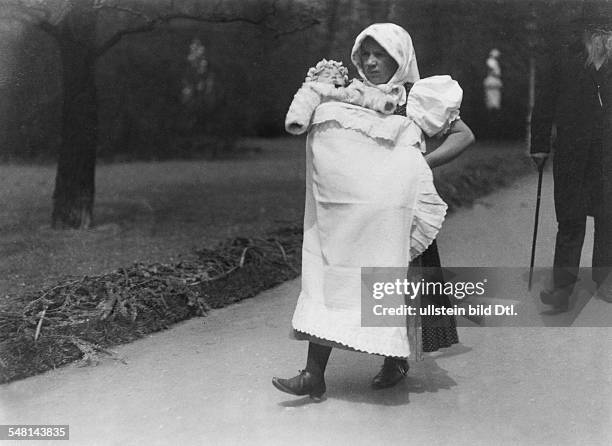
79 319
94 27
258 53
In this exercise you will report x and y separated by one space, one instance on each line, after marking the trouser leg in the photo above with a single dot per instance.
602 250
568 247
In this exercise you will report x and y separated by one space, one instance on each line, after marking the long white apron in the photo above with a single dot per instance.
365 179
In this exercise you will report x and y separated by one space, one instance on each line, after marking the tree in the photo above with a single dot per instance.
74 27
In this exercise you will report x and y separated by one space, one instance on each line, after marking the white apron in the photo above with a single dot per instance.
370 202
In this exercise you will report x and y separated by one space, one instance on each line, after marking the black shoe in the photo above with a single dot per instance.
392 372
303 384
604 291
557 297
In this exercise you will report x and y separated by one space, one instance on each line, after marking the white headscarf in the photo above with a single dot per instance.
397 42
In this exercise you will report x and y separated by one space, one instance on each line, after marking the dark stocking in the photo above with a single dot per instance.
399 363
317 358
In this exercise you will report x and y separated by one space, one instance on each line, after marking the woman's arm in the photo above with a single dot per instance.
458 139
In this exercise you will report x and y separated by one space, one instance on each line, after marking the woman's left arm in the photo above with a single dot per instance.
458 139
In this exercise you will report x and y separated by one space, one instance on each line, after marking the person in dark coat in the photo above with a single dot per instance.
574 93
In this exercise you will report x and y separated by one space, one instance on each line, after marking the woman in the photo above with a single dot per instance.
437 332
338 237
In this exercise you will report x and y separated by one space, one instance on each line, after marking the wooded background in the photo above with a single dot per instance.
255 70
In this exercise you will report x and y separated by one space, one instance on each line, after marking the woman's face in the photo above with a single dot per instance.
378 66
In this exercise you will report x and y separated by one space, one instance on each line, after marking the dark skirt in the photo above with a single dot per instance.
437 331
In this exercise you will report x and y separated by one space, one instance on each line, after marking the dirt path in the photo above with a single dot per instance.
207 381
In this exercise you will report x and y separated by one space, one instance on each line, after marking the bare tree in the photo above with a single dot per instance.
74 26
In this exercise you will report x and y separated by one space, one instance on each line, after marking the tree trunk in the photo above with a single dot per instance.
73 197
332 28
75 181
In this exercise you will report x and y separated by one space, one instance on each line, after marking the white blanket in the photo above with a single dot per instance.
370 202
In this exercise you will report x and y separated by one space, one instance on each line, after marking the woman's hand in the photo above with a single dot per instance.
457 140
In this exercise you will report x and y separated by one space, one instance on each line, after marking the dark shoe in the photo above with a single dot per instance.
303 384
604 292
557 297
392 372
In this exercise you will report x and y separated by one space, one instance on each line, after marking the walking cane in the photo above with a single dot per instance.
535 226
532 26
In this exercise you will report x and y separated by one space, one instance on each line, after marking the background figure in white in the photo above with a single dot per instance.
493 92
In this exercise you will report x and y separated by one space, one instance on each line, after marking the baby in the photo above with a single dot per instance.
326 82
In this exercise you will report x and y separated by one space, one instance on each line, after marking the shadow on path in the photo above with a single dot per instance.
351 385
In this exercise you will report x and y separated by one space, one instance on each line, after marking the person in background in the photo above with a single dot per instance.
493 85
574 94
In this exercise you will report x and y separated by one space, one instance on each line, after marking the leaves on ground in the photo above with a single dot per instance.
77 320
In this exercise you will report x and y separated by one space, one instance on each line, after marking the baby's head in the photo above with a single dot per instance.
329 72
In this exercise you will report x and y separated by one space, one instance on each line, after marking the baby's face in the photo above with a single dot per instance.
331 76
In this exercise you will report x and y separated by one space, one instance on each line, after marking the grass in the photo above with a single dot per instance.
163 213
144 211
